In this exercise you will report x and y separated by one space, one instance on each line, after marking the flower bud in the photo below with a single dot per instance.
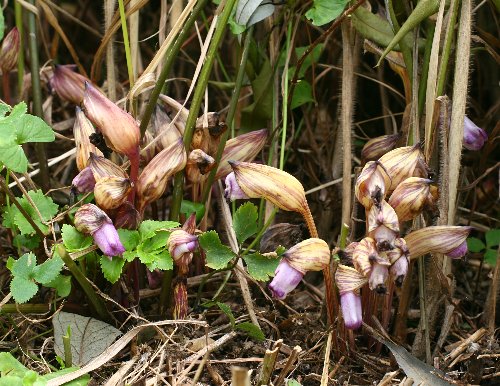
198 164
378 146
411 197
286 278
102 168
111 192
364 254
370 185
474 136
82 130
276 186
352 313
164 128
383 226
399 164
181 246
9 51
119 129
91 220
153 180
378 277
309 255
84 181
438 239
68 84
348 279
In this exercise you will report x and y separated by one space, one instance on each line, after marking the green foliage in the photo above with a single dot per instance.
26 275
492 238
18 128
112 267
14 219
218 255
188 207
13 373
2 29
261 267
73 240
324 11
245 222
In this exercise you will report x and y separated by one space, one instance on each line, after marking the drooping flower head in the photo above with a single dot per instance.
68 84
9 51
474 136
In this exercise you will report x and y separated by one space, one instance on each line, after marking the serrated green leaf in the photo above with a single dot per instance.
162 261
62 284
492 238
129 255
74 240
292 382
261 267
22 289
252 330
13 157
218 255
324 11
475 245
46 207
28 242
4 107
33 129
112 268
245 222
158 241
227 310
8 217
144 256
490 257
24 266
48 270
148 228
188 207
129 239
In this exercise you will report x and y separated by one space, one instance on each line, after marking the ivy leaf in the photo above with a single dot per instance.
22 289
130 239
490 257
148 228
112 269
74 240
492 238
245 222
62 284
324 11
475 245
46 207
261 267
48 270
218 255
24 266
252 330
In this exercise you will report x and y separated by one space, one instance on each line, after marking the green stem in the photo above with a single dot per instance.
96 302
233 104
126 43
344 231
261 232
285 98
405 50
24 308
425 69
169 60
18 9
37 98
199 93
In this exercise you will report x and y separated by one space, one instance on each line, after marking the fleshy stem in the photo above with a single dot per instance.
6 87
169 60
96 301
126 43
198 96
331 300
233 104
37 98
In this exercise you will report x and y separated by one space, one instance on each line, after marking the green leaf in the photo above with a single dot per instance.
261 267
158 241
227 310
148 228
324 11
112 269
33 129
162 261
13 157
24 266
62 284
84 380
10 365
252 330
245 221
22 289
475 245
2 24
490 257
130 239
218 255
46 207
28 242
292 382
48 270
73 240
492 238
144 256
129 255
302 94
188 207
4 107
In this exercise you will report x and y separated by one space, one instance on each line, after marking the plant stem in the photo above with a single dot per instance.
165 292
37 98
233 104
126 43
422 88
6 87
199 93
96 302
169 60
18 9
24 308
285 97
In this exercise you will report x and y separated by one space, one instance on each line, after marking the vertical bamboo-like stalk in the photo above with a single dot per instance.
134 39
109 9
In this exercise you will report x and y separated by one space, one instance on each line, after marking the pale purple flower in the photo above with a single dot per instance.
399 270
351 310
474 136
378 277
458 252
108 241
286 278
384 238
233 190
84 182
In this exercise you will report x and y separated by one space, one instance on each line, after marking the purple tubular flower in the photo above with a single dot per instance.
108 241
459 251
351 310
286 278
474 136
378 277
84 182
233 190
399 270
